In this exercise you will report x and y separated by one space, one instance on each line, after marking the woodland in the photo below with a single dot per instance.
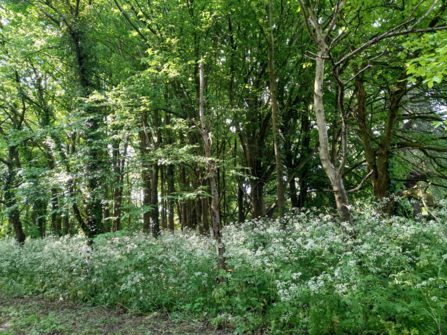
267 165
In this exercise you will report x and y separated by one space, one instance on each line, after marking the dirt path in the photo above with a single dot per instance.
33 315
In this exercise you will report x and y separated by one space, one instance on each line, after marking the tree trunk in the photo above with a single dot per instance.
197 203
240 203
10 199
155 225
211 170
377 160
334 174
257 198
293 192
163 197
183 206
171 191
117 189
335 177
382 183
281 200
55 215
66 223
155 215
205 213
146 177
302 177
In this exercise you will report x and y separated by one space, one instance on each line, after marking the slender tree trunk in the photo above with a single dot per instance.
334 174
117 189
197 203
40 209
171 191
335 177
155 224
281 200
205 213
170 180
183 205
55 223
240 203
211 170
155 214
106 212
147 185
163 197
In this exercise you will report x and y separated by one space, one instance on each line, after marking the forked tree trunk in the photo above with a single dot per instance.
378 160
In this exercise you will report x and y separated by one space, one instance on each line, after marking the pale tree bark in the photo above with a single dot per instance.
334 173
281 200
211 174
323 41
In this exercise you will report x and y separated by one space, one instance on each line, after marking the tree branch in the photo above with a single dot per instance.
412 145
361 183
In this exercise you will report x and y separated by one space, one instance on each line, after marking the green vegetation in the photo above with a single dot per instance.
27 315
163 156
311 277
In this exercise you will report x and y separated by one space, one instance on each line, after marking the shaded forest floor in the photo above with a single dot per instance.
34 315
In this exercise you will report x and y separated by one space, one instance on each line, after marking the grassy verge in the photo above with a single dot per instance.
33 315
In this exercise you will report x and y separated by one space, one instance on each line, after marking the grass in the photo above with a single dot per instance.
34 315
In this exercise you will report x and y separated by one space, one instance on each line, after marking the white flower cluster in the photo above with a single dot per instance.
290 265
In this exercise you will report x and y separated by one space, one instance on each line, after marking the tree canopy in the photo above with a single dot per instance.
194 114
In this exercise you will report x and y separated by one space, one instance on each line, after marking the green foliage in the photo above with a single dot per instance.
431 61
312 276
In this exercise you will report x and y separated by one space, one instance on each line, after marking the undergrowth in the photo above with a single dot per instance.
311 277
